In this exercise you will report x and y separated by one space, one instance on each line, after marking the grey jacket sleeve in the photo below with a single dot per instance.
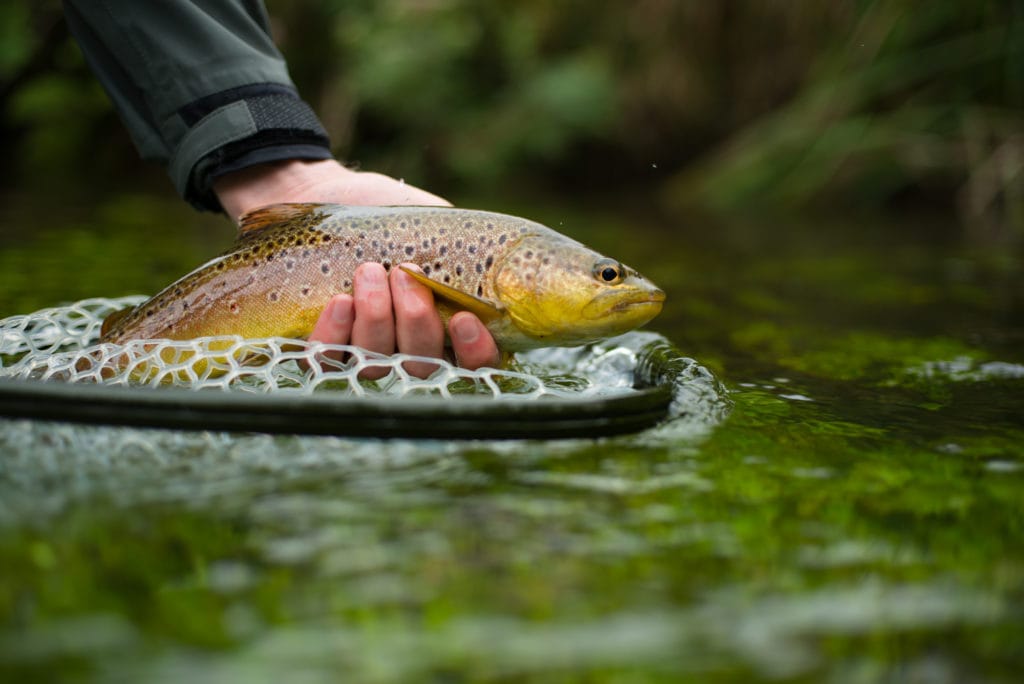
199 84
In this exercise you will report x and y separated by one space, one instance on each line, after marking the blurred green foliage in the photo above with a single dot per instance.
727 106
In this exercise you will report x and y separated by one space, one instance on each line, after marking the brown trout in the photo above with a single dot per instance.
530 285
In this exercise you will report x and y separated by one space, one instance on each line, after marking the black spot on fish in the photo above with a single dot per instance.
325 268
270 257
447 278
490 226
402 224
272 296
426 269
391 245
472 249
326 238
359 253
458 270
305 292
306 252
409 250
289 264
545 261
387 265
348 243
458 244
416 222
483 239
149 313
426 244
444 250
479 267
437 265
347 284
479 290
467 224
220 265
184 306
177 291
442 231
502 238
374 244
387 234
489 262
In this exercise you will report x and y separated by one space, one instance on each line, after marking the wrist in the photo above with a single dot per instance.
261 184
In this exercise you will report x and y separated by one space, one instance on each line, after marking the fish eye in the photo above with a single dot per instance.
608 271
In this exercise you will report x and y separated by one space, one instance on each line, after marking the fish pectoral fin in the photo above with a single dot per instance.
256 220
485 309
111 320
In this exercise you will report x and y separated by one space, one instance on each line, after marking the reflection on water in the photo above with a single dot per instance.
856 517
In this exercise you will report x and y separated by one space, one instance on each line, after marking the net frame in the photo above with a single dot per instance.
53 367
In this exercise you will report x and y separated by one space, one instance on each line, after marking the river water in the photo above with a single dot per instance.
857 517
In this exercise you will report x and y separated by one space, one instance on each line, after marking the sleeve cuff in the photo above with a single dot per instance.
262 125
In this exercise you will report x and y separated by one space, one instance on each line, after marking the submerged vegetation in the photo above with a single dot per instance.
855 518
725 106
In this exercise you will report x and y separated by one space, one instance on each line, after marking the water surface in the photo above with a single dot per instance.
858 516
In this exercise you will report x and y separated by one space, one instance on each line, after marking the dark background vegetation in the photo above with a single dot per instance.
735 106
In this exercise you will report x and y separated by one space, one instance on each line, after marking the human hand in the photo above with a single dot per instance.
392 312
314 181
384 313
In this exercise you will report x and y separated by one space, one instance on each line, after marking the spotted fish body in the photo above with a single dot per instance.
530 285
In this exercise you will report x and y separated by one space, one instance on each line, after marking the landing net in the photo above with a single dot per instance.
59 347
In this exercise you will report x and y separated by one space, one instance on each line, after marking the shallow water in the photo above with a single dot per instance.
858 516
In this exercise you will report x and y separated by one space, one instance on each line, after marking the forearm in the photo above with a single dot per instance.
200 86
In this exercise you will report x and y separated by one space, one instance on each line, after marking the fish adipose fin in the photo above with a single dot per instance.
256 220
485 309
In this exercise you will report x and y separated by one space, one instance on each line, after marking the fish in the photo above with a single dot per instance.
530 285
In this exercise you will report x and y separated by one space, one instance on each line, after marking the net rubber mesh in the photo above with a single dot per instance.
60 344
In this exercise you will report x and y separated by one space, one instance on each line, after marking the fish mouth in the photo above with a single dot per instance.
634 304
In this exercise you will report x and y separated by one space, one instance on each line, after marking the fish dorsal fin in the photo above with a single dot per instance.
254 221
112 319
485 309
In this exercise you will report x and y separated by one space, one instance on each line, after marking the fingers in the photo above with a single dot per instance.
418 328
388 312
335 323
374 326
472 342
